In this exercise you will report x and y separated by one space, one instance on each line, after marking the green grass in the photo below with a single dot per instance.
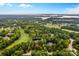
23 38
52 26
57 26
70 30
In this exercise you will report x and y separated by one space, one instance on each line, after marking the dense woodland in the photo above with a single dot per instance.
30 37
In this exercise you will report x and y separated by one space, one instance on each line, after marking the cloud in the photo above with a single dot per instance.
25 5
2 4
6 4
74 10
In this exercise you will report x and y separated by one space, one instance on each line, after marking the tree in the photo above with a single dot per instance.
39 53
18 53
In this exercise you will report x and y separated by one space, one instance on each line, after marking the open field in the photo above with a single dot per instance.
23 38
53 26
70 30
59 27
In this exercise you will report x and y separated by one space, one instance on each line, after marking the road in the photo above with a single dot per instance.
70 47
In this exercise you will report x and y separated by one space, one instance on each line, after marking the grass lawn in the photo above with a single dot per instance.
52 26
23 38
70 30
57 26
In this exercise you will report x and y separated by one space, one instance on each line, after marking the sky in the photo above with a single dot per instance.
39 8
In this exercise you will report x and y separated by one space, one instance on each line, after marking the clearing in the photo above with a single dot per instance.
23 38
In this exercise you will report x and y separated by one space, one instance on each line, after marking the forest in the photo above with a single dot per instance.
36 37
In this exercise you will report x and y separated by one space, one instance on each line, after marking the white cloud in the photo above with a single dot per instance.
25 5
74 10
39 1
2 4
6 4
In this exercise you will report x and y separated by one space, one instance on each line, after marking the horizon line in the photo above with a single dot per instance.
40 14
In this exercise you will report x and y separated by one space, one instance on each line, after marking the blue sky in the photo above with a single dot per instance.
39 8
